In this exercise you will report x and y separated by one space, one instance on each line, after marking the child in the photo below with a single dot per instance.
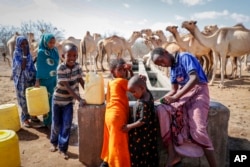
69 75
24 75
115 151
188 104
142 126
46 63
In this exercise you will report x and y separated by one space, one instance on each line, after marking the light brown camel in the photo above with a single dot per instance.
88 47
209 30
33 44
146 33
231 41
116 45
11 44
190 44
59 45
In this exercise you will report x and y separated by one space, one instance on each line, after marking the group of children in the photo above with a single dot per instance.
130 138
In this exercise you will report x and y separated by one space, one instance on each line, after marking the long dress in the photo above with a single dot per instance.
115 149
22 78
143 140
47 62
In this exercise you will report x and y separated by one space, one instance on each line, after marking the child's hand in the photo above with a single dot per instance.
125 128
82 102
143 77
127 66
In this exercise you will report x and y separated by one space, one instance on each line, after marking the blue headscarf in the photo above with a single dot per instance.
30 70
47 59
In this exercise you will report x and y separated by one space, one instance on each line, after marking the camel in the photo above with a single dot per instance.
11 44
116 45
59 45
226 41
209 30
33 44
146 33
88 47
190 44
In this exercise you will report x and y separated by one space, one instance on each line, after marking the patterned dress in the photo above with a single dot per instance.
143 140
47 62
23 78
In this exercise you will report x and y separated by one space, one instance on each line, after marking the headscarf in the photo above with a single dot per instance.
29 71
48 59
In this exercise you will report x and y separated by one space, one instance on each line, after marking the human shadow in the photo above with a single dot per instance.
26 135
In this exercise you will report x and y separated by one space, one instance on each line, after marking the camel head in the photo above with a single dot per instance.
158 33
96 35
190 26
87 33
136 34
209 29
148 32
172 29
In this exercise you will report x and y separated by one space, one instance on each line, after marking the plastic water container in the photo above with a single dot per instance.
94 88
9 117
37 100
9 149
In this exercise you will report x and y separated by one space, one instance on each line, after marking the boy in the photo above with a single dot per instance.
69 75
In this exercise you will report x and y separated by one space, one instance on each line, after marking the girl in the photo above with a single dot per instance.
142 126
115 152
46 63
69 75
24 74
185 107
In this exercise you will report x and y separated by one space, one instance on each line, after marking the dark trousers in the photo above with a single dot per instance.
61 123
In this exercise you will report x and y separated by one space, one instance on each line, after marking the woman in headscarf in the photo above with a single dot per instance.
24 75
46 63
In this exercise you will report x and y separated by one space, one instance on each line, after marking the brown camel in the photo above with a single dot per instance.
231 41
116 45
88 47
190 44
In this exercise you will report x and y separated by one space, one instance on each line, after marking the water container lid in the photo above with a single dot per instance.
4 106
5 136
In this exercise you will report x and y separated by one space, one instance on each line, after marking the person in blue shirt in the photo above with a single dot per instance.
187 105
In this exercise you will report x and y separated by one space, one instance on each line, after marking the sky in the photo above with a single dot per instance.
122 17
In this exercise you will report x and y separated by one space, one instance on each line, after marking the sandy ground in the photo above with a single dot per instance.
34 142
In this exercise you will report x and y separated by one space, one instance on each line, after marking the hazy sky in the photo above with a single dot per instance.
124 16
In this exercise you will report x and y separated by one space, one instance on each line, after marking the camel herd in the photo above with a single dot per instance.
210 46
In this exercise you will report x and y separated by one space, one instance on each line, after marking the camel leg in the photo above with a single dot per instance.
96 60
223 63
216 59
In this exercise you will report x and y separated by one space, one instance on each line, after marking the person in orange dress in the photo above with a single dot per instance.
115 151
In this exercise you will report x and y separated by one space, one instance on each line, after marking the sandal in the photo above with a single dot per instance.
26 124
34 119
65 155
53 148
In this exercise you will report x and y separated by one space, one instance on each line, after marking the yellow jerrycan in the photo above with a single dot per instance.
94 88
9 149
9 117
37 100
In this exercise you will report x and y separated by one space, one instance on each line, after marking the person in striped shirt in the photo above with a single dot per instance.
69 75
